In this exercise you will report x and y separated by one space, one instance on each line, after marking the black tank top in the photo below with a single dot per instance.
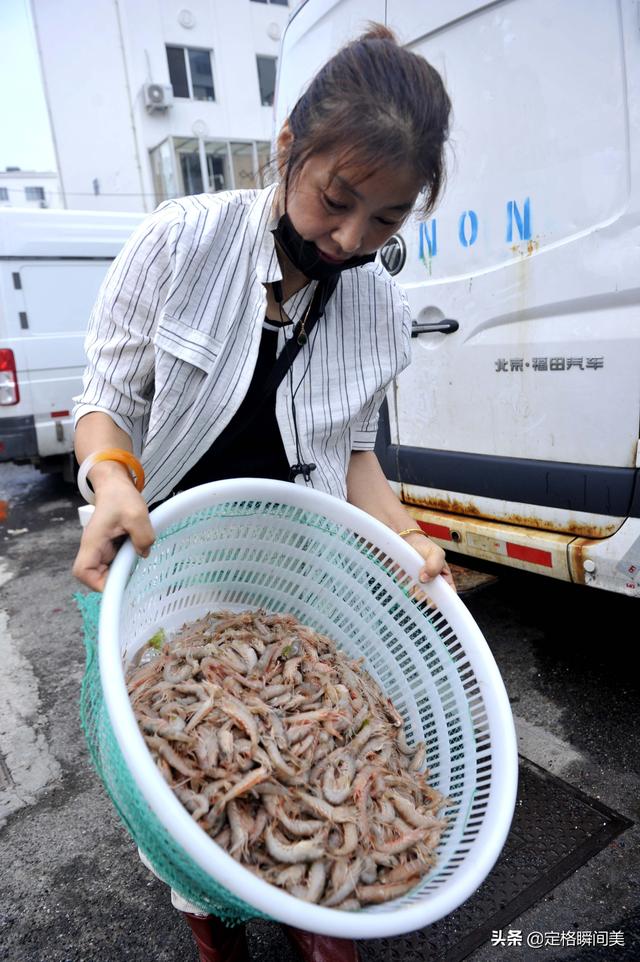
256 451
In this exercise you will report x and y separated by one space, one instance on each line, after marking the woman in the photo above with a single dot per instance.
212 289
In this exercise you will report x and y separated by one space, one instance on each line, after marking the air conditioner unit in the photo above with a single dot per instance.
158 97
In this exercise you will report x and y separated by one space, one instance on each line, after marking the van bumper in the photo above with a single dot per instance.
611 563
18 439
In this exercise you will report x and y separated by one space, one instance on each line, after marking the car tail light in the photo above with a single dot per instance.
9 392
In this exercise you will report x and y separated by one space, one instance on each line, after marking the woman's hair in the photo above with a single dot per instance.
376 103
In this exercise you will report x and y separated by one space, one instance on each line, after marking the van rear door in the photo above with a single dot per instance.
52 263
527 412
57 300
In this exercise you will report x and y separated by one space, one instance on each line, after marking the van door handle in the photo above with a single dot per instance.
445 326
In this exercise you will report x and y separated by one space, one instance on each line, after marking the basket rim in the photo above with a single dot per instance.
178 822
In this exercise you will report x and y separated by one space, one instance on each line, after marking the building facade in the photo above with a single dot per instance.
29 188
150 100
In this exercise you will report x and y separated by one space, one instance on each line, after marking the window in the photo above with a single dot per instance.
34 193
190 73
217 165
267 79
188 152
264 158
4 193
191 165
164 176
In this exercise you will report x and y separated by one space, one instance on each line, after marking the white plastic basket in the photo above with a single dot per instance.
250 543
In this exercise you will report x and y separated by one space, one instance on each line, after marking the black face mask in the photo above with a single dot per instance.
305 256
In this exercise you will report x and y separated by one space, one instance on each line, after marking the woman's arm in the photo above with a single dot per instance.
119 381
368 489
120 509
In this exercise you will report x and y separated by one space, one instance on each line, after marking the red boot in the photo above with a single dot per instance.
322 948
217 942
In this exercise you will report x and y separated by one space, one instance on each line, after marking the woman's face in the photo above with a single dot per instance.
348 210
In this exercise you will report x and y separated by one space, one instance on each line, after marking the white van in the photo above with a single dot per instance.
52 263
513 435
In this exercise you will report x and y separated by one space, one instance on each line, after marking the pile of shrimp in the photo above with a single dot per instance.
290 757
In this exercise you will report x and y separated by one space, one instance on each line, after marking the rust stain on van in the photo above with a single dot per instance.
533 246
4 507
468 508
578 554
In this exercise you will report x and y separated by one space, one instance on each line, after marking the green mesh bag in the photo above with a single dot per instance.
170 862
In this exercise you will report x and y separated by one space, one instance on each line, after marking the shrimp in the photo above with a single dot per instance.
381 892
239 829
207 748
393 714
337 789
314 884
198 805
306 747
307 850
332 813
173 729
304 827
143 674
350 840
361 793
405 872
401 743
174 672
275 691
200 714
292 874
349 905
290 673
274 722
420 757
401 843
277 760
369 872
320 715
243 754
246 653
345 886
167 709
408 811
176 761
258 826
245 784
384 811
237 711
225 741
369 731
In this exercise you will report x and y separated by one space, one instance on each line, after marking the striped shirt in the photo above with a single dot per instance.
174 336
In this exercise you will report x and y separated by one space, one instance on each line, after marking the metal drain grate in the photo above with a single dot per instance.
556 828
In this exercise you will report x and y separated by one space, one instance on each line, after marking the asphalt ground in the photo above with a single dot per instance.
71 886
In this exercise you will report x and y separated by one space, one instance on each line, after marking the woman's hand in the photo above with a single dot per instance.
120 510
368 489
434 558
